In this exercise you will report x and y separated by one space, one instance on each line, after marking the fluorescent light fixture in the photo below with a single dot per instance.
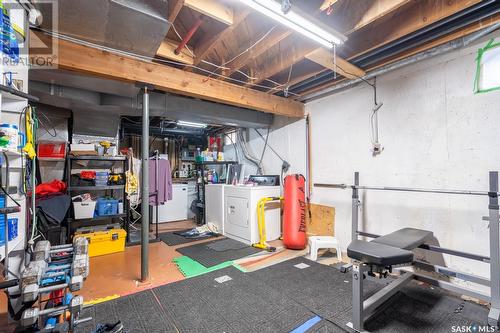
297 21
191 124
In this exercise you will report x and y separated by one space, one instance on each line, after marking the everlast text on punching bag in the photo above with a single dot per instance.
294 212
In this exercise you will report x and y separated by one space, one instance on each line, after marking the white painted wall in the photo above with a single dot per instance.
436 134
286 137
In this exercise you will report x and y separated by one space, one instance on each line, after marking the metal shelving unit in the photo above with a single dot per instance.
72 222
200 187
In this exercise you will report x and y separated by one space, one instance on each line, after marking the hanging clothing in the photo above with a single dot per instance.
162 187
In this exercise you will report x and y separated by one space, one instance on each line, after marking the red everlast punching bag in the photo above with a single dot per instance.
294 212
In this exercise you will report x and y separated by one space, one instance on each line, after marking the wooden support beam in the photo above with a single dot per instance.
167 48
277 35
212 8
174 8
212 40
84 59
418 15
325 58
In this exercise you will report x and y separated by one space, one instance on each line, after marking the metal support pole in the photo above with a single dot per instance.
145 187
6 221
355 208
157 182
354 218
357 296
494 314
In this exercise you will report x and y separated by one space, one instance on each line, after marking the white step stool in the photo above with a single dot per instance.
323 242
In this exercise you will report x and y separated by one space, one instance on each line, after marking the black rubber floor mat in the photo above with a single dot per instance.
321 288
227 249
226 245
240 304
328 293
138 312
172 239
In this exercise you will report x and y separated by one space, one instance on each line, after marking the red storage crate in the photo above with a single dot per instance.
51 149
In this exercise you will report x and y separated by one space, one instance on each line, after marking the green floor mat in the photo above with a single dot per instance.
190 267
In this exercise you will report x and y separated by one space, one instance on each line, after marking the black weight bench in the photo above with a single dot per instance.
379 256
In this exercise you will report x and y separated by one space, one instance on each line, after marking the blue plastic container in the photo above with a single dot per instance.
101 178
13 231
105 207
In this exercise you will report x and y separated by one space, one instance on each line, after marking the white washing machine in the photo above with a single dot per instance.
240 213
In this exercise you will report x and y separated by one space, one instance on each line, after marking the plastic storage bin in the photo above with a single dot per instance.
84 209
54 150
105 242
13 233
101 178
13 222
106 207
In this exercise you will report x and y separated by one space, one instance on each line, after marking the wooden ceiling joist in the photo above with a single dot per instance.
174 8
84 59
212 40
326 59
212 8
378 10
418 15
277 35
283 61
482 24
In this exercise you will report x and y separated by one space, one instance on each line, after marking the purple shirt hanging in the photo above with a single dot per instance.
164 184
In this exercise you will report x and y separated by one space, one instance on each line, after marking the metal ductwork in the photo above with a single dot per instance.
93 107
128 25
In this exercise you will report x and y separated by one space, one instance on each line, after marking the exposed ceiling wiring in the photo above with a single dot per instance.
145 58
223 66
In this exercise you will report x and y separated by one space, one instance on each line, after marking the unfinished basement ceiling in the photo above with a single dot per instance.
232 48
378 31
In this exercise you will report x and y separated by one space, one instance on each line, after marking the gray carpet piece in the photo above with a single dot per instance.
241 304
172 239
225 250
139 313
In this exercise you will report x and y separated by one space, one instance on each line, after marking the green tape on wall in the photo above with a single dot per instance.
487 68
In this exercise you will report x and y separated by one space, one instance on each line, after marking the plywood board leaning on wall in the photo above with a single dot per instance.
321 221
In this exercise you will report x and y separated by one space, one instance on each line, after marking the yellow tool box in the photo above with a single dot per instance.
104 242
